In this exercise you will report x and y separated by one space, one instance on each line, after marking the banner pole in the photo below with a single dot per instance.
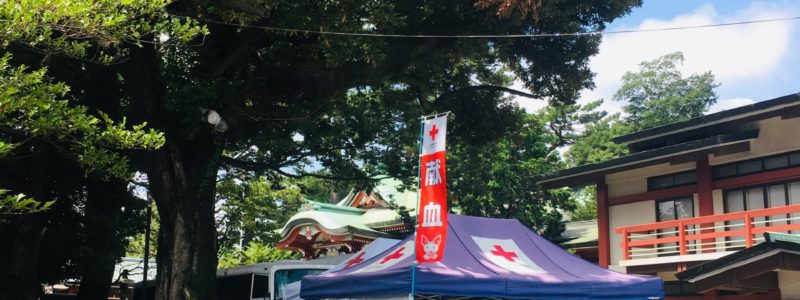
416 209
413 275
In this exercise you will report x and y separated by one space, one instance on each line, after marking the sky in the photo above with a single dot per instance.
751 63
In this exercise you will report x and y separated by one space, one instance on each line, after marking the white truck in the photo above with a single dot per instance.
267 281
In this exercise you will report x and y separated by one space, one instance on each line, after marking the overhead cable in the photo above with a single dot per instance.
483 36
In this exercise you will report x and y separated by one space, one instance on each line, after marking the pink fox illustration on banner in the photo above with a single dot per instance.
431 247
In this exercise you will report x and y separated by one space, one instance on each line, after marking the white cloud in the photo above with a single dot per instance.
729 103
735 54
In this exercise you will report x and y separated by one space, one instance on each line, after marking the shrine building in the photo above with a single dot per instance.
324 229
711 205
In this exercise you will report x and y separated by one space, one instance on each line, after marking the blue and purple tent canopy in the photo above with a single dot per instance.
376 247
487 258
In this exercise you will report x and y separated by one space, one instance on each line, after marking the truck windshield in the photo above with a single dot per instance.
284 277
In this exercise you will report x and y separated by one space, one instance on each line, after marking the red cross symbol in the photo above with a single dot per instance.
433 132
397 254
499 251
359 258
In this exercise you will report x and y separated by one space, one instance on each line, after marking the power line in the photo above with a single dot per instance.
535 35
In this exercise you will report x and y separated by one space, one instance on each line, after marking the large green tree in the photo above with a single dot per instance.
657 94
354 99
595 143
492 179
67 143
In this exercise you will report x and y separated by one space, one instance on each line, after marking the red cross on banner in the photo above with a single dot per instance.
432 210
433 132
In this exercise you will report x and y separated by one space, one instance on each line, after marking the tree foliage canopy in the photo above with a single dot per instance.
94 31
253 209
493 179
658 94
253 253
595 144
36 113
289 100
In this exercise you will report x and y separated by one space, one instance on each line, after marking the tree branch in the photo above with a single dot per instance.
329 177
27 137
239 50
560 139
264 167
13 132
485 87
245 7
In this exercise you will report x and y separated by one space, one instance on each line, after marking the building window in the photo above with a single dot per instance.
760 197
776 162
748 167
761 164
772 195
671 180
669 210
674 209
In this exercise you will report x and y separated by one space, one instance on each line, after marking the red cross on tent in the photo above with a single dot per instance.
359 258
499 251
395 255
506 255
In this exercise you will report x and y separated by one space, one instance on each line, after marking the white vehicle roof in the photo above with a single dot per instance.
264 268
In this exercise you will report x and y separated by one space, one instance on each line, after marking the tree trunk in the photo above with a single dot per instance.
182 176
20 256
183 183
104 201
21 236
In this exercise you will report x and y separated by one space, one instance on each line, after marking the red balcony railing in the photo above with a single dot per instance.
726 232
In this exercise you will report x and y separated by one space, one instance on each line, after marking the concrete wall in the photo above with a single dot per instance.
626 215
789 283
635 181
776 136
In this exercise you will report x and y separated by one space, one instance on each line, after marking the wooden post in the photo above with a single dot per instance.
626 253
705 201
603 234
682 239
748 231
